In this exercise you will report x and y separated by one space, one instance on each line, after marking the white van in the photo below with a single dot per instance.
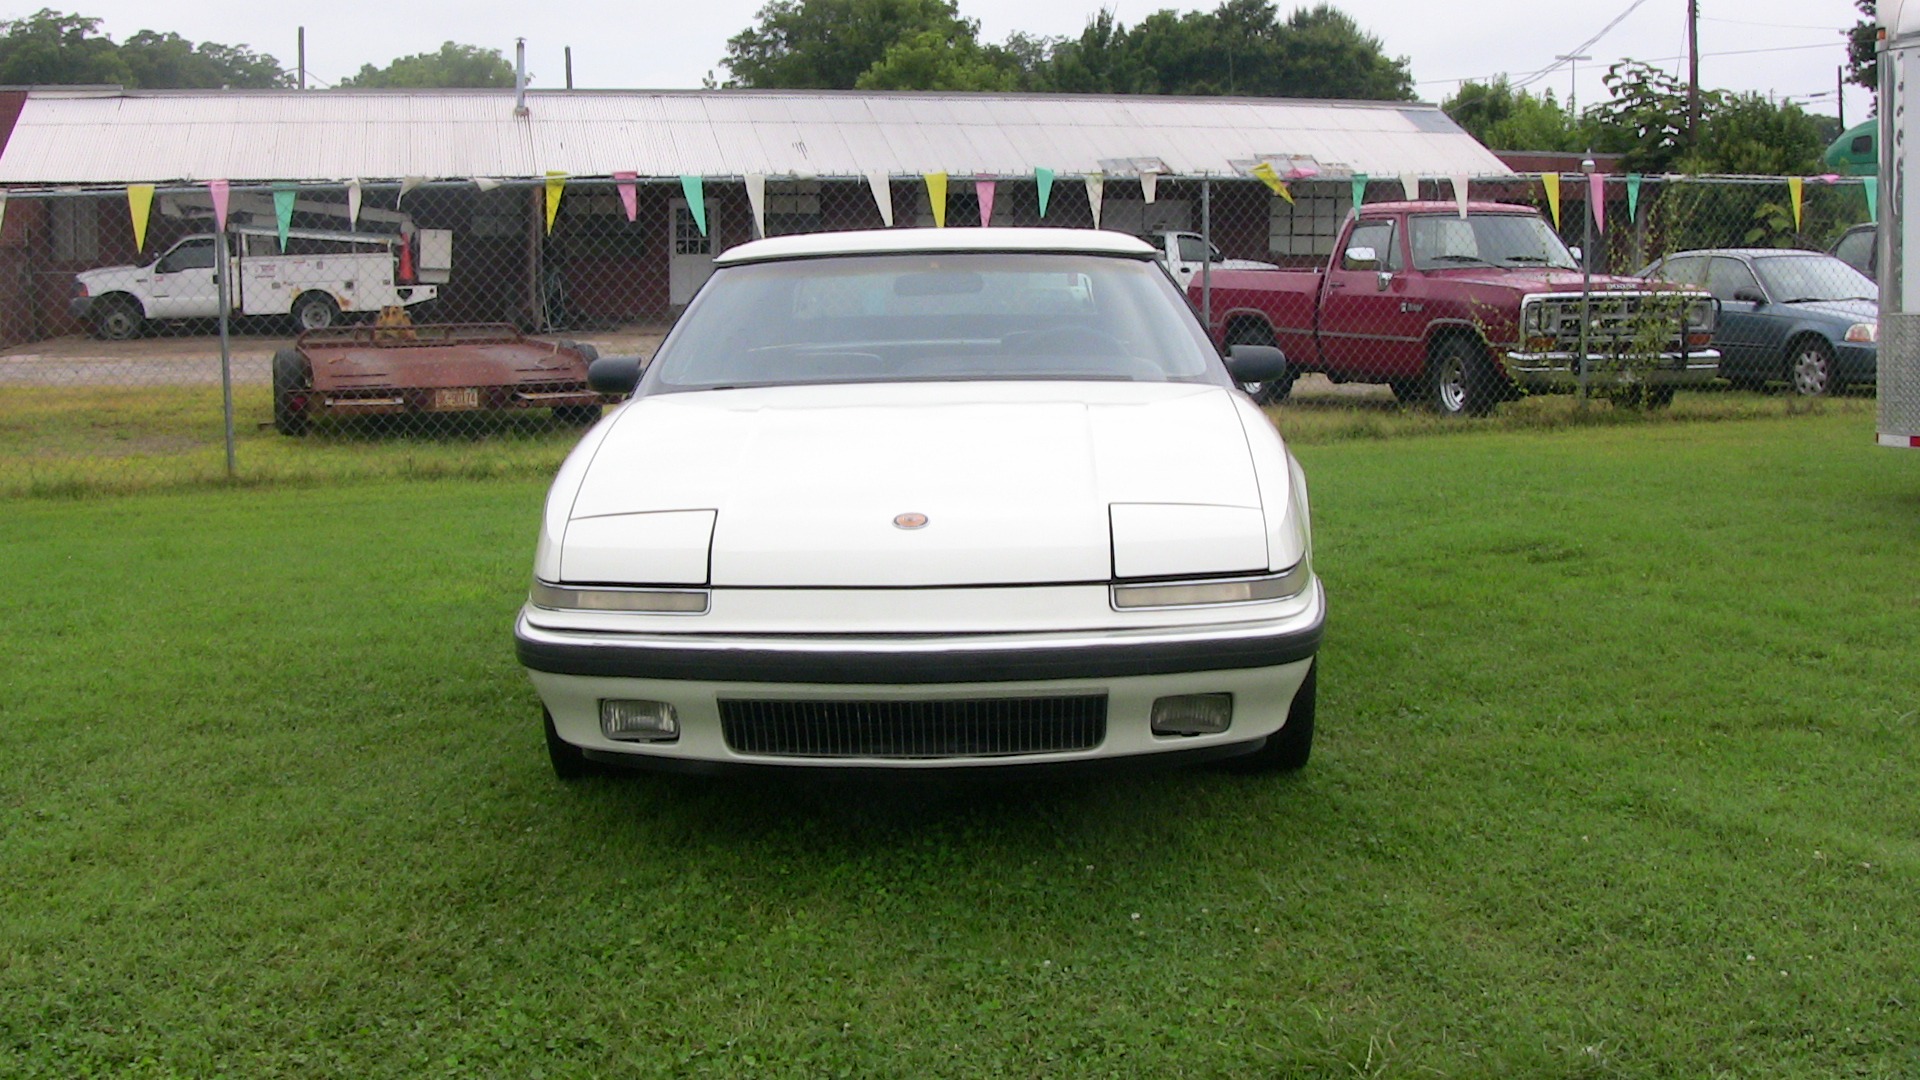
319 279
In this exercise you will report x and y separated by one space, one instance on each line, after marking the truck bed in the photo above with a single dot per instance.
1285 299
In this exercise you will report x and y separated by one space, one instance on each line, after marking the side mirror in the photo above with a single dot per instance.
1356 256
1256 363
1578 255
1750 296
614 374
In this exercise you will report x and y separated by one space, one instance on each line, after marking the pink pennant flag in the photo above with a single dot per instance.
983 189
629 198
219 189
1597 195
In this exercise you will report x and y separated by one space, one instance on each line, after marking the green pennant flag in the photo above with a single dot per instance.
1044 178
1633 197
283 213
1359 189
1871 185
696 201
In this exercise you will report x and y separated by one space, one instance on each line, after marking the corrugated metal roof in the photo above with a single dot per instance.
111 137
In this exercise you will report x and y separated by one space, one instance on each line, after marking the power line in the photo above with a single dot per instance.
1770 25
1653 60
1580 48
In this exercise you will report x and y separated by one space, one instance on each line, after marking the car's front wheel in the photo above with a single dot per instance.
1287 749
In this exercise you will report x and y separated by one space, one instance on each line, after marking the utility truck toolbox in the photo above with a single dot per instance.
372 370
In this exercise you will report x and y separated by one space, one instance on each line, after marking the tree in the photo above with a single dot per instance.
454 66
54 48
1863 61
169 60
830 44
1504 118
929 60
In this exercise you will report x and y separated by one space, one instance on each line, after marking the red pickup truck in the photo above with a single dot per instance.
1460 313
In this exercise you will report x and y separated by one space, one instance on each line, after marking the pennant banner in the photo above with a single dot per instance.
983 191
629 197
1043 180
1460 194
283 213
140 204
1410 186
882 186
757 198
1096 195
218 190
1264 171
1871 185
1633 197
696 194
1797 187
937 197
485 183
1597 197
353 203
408 183
556 183
1359 189
1149 186
3 211
1551 181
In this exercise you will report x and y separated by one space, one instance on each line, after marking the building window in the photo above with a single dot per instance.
1310 224
687 237
76 230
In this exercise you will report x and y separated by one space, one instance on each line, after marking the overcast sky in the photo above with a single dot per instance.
1788 48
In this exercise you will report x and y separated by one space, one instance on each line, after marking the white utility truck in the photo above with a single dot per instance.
320 278
1183 253
1899 377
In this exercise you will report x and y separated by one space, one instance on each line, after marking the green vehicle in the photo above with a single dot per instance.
1856 152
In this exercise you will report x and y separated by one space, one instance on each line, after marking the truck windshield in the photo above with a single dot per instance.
1441 242
947 317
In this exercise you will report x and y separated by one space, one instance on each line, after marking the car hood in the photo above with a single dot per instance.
1840 311
1018 483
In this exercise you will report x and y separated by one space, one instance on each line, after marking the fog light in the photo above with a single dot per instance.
639 721
1193 714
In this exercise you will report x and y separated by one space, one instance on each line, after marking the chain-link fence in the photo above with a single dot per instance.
435 325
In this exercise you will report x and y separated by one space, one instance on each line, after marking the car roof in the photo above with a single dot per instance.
1446 207
1743 253
933 241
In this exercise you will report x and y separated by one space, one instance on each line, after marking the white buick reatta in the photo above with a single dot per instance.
926 499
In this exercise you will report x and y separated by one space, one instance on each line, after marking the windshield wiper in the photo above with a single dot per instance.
1461 258
1542 259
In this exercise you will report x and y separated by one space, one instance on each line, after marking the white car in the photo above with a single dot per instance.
925 499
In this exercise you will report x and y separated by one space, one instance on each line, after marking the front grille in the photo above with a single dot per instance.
1616 322
990 727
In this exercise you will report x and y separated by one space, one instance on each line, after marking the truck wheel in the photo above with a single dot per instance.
1461 379
119 319
1810 367
291 375
315 311
1287 749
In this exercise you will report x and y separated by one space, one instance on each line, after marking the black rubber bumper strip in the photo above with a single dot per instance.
959 664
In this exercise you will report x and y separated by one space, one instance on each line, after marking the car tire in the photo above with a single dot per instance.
291 374
315 311
1262 393
1289 748
1461 380
1810 368
118 318
569 761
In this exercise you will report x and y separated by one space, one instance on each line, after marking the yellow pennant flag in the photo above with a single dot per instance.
1552 184
556 182
1267 176
937 197
1798 187
140 205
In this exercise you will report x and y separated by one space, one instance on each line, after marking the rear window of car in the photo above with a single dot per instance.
935 317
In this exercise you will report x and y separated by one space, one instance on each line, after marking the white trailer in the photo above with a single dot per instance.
320 279
1899 379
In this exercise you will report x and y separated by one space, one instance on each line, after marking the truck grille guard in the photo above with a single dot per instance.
1624 329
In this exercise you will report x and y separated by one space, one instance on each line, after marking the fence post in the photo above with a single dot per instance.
222 257
1586 275
1206 263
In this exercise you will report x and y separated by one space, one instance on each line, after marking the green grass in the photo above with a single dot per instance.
1615 778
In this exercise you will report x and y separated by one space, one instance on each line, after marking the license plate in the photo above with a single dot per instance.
457 398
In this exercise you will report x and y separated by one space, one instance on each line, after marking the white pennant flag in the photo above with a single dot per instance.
1460 194
3 211
353 203
1096 190
757 197
407 183
1149 185
882 186
485 183
1410 184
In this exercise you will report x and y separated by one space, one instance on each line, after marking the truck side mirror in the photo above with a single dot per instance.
1578 255
1361 257
614 374
1256 363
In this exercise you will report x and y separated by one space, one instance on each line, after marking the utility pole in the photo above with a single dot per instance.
569 67
1693 69
1573 83
1840 94
303 58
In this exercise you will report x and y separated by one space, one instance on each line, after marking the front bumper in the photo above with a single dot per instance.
80 307
1856 363
1561 371
1260 663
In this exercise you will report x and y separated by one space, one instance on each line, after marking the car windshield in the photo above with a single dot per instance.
1441 242
1791 279
935 317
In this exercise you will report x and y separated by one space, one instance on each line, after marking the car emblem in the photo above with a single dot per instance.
910 521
